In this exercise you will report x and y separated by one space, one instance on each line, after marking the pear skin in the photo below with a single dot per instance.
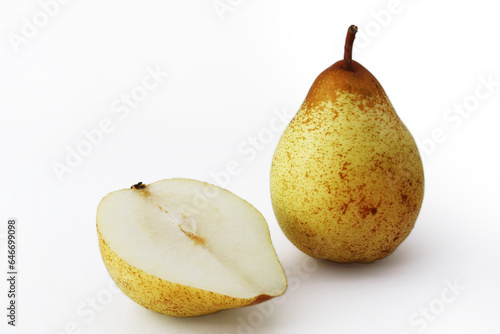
347 180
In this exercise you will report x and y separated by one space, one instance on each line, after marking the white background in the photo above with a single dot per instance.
228 75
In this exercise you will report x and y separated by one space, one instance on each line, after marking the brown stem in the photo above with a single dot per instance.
349 41
139 185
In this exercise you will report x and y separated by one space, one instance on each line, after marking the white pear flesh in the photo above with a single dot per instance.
184 248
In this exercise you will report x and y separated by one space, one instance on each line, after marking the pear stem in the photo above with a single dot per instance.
349 41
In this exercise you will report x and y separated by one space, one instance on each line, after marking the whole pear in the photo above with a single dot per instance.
347 180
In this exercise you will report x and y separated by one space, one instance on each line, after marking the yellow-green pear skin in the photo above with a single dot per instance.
347 180
165 297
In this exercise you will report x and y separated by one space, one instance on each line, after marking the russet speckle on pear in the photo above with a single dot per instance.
347 179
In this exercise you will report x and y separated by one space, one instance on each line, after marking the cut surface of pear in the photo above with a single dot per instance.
347 180
184 247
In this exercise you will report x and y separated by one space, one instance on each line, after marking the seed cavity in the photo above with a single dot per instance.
188 226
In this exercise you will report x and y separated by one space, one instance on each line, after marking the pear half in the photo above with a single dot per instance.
185 248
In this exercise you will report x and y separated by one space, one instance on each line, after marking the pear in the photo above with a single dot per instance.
185 248
347 181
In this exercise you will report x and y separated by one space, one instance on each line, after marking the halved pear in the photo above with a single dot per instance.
184 248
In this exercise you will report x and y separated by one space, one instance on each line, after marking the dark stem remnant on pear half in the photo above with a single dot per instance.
139 185
349 41
142 189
